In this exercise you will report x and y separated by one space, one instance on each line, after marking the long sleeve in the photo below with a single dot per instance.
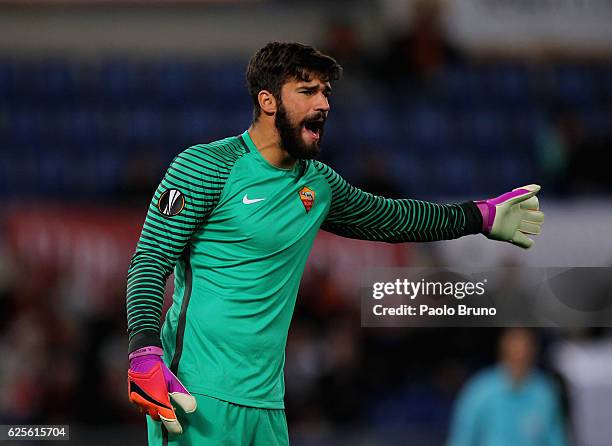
184 199
358 214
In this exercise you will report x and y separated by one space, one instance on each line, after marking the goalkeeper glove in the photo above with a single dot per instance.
512 215
150 383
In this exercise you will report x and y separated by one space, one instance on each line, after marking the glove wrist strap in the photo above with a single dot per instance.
149 350
488 215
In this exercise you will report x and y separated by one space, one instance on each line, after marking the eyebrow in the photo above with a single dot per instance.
326 88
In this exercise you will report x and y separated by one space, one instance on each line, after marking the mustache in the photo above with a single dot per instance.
319 117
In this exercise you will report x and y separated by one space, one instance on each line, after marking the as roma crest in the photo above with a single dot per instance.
308 197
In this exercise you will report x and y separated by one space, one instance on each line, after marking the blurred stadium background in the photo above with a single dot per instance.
441 101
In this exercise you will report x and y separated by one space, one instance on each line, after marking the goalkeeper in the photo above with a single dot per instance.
235 220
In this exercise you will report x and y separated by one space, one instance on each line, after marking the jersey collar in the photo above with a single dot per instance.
251 147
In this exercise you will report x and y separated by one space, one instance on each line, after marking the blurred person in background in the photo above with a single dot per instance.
584 358
374 175
344 42
566 151
512 403
556 142
237 218
423 49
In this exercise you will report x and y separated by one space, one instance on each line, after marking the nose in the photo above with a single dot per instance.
322 104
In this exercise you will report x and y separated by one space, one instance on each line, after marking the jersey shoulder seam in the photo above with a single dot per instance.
219 157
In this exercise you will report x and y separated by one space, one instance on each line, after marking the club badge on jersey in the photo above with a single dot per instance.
308 197
171 202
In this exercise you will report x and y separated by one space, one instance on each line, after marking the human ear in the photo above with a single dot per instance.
267 102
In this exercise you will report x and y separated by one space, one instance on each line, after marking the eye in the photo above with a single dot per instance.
308 92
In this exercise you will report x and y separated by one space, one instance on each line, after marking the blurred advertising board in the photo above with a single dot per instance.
92 246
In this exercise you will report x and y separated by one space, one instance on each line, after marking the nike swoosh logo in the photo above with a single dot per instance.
135 388
246 200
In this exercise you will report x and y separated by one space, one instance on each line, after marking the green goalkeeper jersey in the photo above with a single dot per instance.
237 231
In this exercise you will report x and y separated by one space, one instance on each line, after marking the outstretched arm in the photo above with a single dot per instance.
358 214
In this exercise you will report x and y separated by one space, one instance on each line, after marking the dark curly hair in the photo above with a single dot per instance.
277 62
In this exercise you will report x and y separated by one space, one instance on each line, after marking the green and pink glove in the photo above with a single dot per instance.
512 215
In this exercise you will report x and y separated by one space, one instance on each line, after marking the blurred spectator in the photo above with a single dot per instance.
585 360
589 164
555 140
343 41
423 49
375 176
571 159
512 403
140 179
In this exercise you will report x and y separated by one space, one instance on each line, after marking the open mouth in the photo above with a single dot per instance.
314 128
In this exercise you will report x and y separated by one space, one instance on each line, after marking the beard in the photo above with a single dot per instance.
291 139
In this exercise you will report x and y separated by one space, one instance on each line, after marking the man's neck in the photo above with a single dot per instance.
267 141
